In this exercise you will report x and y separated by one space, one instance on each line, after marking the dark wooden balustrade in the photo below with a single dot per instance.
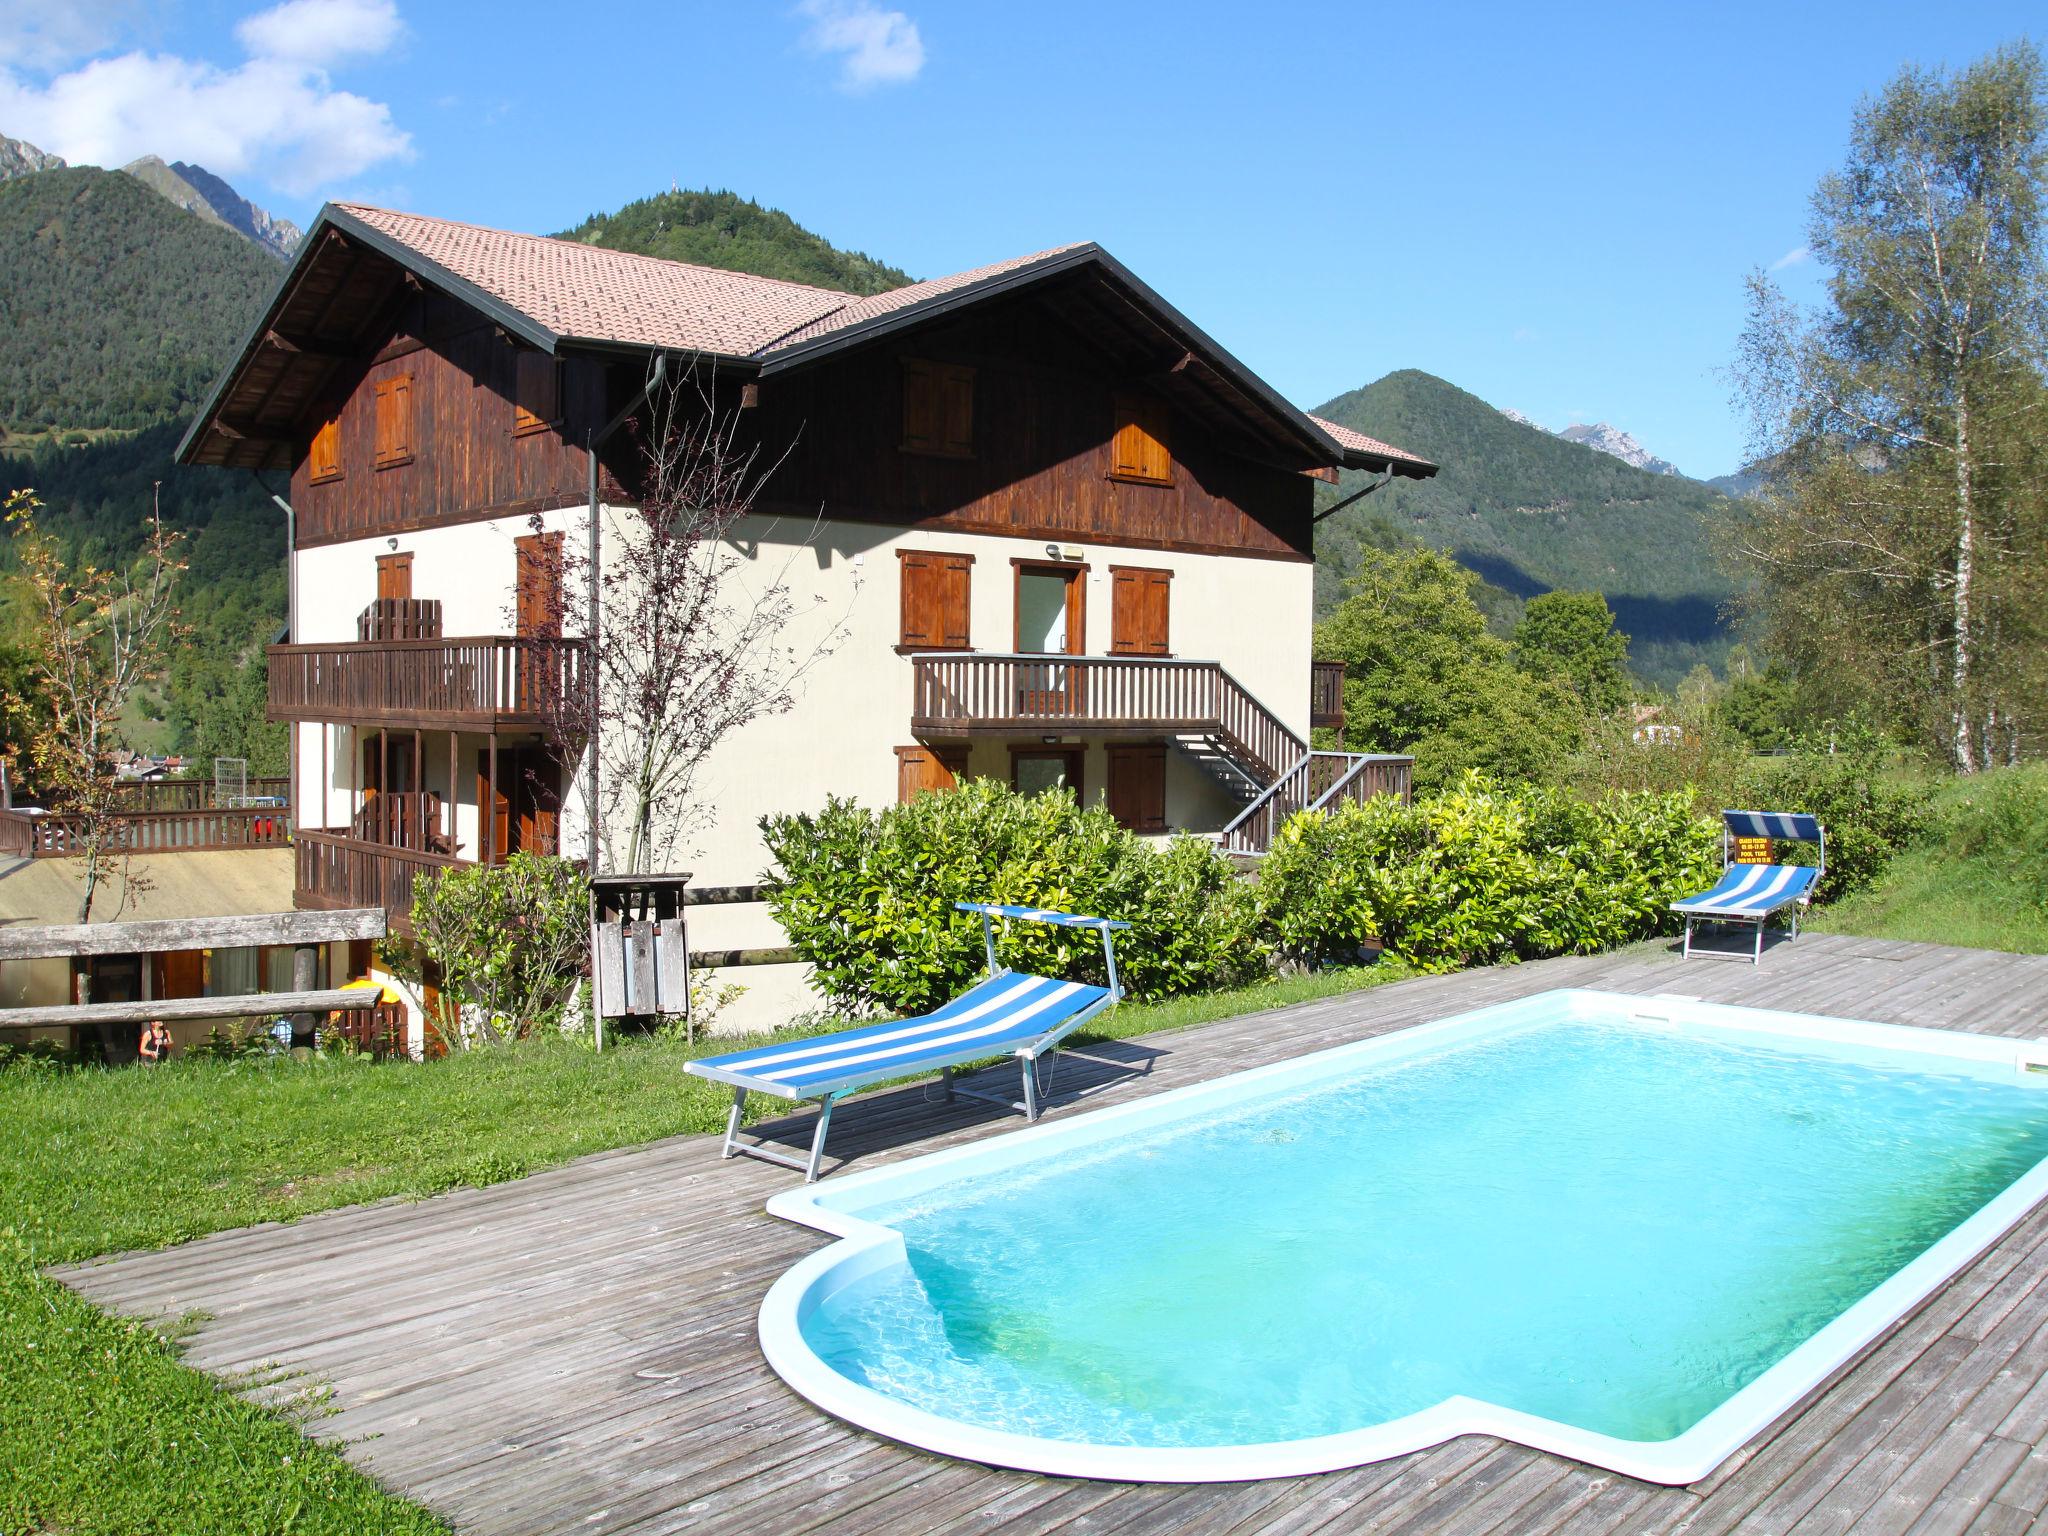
55 834
333 869
975 694
1326 695
476 683
190 794
400 618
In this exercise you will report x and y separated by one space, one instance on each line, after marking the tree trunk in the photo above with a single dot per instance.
1965 574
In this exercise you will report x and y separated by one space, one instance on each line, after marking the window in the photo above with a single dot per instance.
935 601
1138 611
324 460
1138 452
938 408
394 576
1137 785
1034 770
536 393
923 768
394 421
537 585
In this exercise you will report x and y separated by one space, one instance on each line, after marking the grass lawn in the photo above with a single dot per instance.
102 1430
1980 880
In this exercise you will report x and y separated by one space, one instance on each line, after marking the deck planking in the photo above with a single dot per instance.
576 1350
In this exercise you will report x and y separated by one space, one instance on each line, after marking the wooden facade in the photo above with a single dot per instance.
1042 453
428 428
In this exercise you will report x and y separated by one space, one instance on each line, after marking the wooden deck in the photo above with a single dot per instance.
575 1351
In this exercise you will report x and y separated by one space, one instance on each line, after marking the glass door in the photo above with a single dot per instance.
1049 623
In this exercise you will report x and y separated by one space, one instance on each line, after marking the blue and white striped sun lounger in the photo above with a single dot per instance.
1753 893
1009 1013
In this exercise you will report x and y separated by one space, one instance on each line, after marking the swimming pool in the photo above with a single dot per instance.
1629 1230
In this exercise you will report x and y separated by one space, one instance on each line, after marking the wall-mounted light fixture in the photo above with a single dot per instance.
392 542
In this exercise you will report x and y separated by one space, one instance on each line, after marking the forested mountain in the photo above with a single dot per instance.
201 193
1532 512
722 229
118 308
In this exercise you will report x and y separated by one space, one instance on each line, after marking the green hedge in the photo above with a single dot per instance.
1479 874
867 897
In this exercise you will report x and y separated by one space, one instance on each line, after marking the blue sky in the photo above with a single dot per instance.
1553 208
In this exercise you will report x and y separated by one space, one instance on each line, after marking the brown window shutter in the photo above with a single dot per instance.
921 429
922 768
324 460
936 600
1139 604
394 421
1138 451
394 575
1136 791
938 408
536 394
956 410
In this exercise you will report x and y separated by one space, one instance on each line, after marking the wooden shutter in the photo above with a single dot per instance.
394 576
922 768
536 393
1137 786
538 585
394 421
494 813
324 459
938 408
1138 607
935 600
1139 450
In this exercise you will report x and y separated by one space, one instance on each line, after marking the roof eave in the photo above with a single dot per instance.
353 228
1407 469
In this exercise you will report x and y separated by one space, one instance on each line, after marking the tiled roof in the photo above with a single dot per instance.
1358 442
592 294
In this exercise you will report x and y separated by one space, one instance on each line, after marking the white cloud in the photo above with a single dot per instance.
321 33
276 116
57 34
879 47
1792 258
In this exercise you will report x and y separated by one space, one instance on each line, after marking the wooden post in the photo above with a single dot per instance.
419 789
491 812
305 960
454 789
326 770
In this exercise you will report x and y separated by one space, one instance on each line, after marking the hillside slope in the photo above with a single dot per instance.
722 229
119 309
1530 512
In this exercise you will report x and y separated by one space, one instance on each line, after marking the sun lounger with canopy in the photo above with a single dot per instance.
1007 1013
1752 892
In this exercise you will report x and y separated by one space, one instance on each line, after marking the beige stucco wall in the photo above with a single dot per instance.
853 706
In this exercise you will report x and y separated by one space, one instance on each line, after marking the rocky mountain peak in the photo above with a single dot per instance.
18 158
1613 441
201 193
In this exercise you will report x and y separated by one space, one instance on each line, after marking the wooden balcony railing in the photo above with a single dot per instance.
1326 695
1320 781
55 834
965 694
335 870
481 682
191 794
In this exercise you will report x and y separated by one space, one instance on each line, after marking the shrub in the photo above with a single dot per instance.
1868 812
1479 873
509 940
867 896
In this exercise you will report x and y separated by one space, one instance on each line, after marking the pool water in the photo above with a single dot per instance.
1611 1225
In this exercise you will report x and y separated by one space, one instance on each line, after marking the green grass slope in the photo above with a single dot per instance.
1981 881
119 309
1531 512
723 229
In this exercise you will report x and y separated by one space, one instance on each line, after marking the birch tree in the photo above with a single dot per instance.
701 630
1890 550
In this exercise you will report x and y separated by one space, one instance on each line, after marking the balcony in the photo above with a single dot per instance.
332 869
971 694
1326 696
480 683
32 834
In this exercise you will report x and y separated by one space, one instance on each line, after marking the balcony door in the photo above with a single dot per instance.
538 614
1051 621
525 804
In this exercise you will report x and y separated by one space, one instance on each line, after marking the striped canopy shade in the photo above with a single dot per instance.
1788 826
1041 915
